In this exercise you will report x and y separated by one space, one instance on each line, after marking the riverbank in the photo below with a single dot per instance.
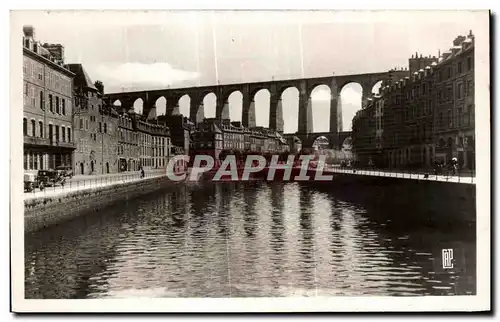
48 210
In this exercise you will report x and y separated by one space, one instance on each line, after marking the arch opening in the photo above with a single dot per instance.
350 102
161 106
321 143
262 99
117 103
290 106
182 106
138 106
376 88
210 105
235 101
320 104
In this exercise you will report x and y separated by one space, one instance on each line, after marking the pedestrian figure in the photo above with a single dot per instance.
142 172
454 165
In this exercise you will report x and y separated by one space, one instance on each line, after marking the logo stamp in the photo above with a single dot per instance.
447 258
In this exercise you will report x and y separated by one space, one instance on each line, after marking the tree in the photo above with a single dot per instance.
100 86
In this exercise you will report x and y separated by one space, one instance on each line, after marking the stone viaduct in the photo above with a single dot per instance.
305 87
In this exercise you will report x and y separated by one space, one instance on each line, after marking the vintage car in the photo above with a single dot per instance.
50 178
65 171
31 182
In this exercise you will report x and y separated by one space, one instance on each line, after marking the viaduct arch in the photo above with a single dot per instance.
305 87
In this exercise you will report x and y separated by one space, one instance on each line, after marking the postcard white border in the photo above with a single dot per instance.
338 304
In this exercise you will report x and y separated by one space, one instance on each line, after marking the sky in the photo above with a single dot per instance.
160 49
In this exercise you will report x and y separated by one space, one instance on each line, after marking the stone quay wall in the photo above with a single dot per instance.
433 201
52 210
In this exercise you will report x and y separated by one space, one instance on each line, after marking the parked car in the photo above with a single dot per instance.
65 171
51 178
31 182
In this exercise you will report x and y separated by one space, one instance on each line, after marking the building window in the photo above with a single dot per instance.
470 88
25 126
40 125
100 127
25 161
57 133
57 105
51 132
469 63
33 128
51 107
459 67
63 133
460 89
81 123
450 119
33 97
459 117
63 106
69 134
86 124
41 100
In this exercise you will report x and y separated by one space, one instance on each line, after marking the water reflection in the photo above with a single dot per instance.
244 239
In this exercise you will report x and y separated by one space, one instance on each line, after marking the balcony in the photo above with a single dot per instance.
68 145
30 140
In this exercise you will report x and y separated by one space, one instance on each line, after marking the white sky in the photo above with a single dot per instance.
185 48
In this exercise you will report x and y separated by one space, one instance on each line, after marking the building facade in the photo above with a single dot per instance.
454 117
47 106
128 144
154 145
95 128
214 136
424 118
180 129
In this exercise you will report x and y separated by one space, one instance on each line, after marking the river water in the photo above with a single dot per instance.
249 239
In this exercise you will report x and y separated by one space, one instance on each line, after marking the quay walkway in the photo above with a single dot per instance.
87 182
461 177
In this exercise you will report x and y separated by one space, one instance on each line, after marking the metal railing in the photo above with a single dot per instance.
460 175
92 181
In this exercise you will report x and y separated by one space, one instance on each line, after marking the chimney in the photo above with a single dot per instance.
29 32
458 41
57 51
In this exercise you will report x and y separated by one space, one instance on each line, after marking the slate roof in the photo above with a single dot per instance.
82 79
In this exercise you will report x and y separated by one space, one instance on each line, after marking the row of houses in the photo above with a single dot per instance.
212 136
424 118
67 122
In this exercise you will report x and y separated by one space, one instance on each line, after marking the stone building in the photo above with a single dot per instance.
213 136
364 133
154 145
95 127
207 139
47 105
454 104
180 131
427 116
128 143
